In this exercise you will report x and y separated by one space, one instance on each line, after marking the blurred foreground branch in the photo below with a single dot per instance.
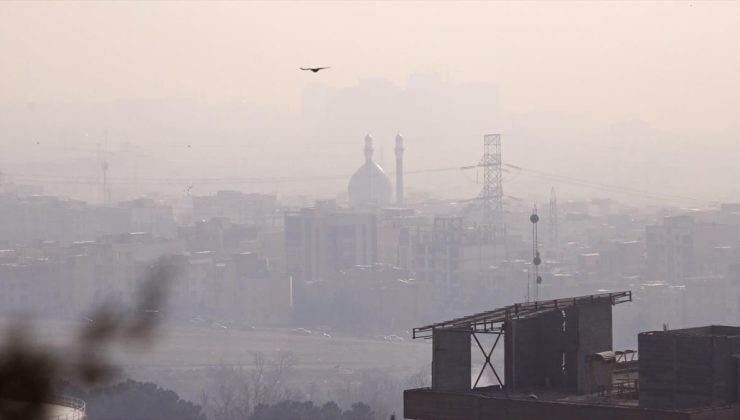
29 373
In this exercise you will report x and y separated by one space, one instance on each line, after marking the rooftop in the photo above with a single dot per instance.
484 321
710 330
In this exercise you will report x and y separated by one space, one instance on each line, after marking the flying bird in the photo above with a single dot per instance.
314 69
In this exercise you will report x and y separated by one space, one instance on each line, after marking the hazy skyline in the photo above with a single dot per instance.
168 163
568 78
674 64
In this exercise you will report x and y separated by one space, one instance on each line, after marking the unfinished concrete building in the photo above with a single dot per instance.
559 364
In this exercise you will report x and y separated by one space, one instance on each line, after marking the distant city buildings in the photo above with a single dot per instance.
323 241
367 258
683 247
237 207
24 219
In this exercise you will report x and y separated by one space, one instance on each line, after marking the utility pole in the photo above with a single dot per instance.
106 193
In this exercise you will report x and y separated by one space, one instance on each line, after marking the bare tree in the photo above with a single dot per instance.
240 390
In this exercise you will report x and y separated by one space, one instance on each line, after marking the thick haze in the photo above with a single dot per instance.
168 164
639 95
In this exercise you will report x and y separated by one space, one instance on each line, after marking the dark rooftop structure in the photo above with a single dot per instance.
692 367
558 363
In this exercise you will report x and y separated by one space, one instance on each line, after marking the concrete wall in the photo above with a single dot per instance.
550 350
451 360
423 404
686 369
522 353
594 323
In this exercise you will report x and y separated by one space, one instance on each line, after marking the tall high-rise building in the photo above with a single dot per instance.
322 242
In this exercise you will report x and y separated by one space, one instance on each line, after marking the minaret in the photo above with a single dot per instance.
399 170
369 148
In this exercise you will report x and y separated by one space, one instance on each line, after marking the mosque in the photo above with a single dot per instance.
370 187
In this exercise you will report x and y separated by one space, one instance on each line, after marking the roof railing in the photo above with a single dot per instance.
79 408
479 322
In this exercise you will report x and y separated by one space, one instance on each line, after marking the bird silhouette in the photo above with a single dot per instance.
314 69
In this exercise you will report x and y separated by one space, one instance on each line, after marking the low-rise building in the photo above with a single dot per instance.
558 363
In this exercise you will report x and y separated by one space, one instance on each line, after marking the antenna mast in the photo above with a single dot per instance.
536 260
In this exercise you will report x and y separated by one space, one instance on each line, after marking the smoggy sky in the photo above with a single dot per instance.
635 94
675 64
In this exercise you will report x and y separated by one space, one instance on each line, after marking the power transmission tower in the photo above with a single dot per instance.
492 194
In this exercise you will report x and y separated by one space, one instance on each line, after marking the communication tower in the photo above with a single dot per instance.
536 260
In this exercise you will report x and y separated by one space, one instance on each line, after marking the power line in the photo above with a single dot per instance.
516 170
66 179
606 187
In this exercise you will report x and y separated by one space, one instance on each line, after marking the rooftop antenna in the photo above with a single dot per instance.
536 260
